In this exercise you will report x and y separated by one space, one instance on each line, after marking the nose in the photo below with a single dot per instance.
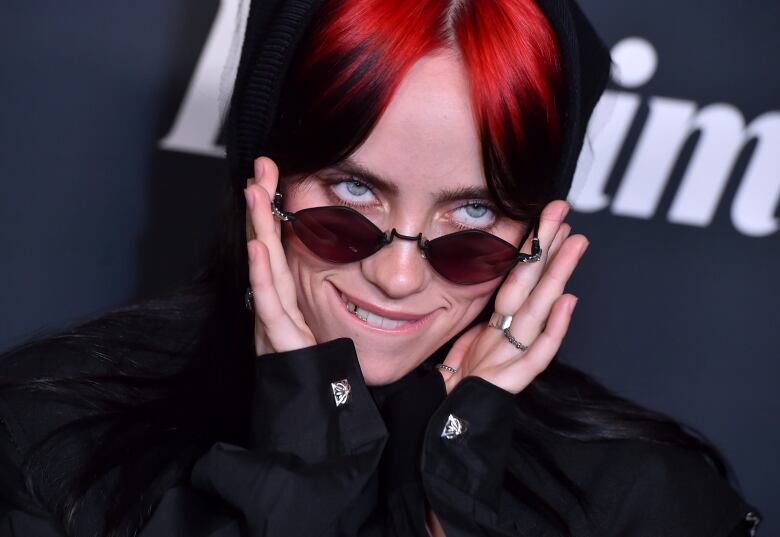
398 270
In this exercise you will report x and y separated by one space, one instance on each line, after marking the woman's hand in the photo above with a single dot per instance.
533 295
279 324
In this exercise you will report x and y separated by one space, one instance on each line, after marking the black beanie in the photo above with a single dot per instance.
275 27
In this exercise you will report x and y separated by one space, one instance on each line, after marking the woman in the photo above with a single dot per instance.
400 247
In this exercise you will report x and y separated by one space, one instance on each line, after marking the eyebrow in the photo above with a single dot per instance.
356 169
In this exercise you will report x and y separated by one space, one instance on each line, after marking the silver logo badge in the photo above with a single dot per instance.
341 391
454 427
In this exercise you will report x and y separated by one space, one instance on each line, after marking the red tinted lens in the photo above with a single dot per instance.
337 234
472 256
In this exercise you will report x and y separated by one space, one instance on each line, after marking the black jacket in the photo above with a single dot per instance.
369 464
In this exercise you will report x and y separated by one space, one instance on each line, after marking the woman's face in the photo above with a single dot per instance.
426 150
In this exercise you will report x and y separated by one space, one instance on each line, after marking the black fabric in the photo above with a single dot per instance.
586 66
373 466
275 28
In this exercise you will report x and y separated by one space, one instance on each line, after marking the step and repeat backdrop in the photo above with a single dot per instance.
111 168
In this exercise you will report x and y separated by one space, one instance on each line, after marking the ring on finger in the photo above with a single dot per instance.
503 322
448 368
500 321
276 208
513 341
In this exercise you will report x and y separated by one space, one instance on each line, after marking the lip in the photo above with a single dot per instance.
414 321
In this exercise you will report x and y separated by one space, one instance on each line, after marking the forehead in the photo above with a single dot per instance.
427 137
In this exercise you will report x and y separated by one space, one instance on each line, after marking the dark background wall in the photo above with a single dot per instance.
105 196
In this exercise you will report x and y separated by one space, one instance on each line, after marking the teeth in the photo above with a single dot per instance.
372 318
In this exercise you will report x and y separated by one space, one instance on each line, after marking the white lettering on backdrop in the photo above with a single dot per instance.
670 123
200 117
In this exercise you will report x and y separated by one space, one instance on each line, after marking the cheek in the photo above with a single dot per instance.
308 273
299 257
472 298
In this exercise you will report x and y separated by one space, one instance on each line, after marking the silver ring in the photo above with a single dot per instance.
249 299
276 208
513 341
446 367
500 321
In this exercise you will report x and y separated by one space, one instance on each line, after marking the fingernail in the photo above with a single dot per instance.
585 247
250 199
572 305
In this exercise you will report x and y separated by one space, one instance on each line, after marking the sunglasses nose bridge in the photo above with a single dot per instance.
419 239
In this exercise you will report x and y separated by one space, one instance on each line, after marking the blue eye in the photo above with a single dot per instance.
356 189
474 215
353 190
475 211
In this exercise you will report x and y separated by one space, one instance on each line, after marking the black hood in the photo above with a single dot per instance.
275 27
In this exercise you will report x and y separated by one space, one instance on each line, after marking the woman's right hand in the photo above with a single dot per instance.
279 324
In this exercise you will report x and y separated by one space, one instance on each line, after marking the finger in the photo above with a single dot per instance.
457 352
266 230
267 178
518 373
562 235
274 322
523 277
530 319
267 174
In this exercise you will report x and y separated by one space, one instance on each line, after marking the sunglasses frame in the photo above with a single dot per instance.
424 244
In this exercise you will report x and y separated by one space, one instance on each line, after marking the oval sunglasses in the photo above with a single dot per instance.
341 234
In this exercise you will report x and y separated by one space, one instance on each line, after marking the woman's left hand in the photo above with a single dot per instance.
533 295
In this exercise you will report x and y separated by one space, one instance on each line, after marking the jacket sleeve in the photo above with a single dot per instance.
637 488
316 438
465 454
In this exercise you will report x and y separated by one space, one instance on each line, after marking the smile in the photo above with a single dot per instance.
373 319
381 319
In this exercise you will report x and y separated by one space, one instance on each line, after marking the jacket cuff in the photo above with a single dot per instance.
312 403
468 439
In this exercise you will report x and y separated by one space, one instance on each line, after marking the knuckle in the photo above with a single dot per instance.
514 284
261 195
268 314
557 277
536 313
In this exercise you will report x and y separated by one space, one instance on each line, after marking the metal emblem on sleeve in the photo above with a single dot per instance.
454 427
341 391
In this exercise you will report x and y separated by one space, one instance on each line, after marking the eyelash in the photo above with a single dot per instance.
336 180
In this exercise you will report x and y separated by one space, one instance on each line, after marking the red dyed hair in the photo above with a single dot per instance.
358 51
